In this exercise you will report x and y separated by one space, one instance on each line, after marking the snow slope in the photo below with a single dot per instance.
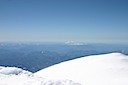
17 76
105 69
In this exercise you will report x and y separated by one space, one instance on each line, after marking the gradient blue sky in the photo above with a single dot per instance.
100 21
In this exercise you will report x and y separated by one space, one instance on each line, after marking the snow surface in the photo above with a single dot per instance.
17 76
105 69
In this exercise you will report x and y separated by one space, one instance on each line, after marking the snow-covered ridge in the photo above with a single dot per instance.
105 69
17 76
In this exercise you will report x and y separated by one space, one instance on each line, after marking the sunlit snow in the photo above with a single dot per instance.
105 69
17 76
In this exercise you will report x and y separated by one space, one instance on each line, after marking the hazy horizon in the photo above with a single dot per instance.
91 21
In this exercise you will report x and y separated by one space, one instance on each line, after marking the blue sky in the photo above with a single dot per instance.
64 20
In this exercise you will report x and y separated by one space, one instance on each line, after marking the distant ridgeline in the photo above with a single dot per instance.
36 56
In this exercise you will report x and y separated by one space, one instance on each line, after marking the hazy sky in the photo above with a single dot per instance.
64 20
